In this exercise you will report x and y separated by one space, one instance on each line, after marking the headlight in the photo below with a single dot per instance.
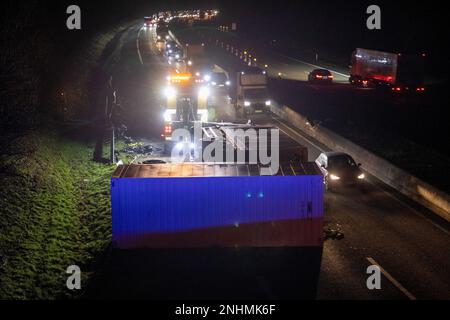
167 37
213 83
203 92
177 56
334 177
247 103
268 103
159 37
183 145
170 92
228 83
207 77
179 145
189 63
197 74
361 176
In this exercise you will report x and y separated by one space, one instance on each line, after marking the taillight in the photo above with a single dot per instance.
397 89
421 89
168 129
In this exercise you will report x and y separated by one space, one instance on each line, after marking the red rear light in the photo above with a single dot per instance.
330 76
421 89
318 76
167 129
397 89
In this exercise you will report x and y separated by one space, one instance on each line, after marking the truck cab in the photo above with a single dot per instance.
186 101
251 91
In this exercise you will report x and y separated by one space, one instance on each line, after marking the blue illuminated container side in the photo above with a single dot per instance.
164 206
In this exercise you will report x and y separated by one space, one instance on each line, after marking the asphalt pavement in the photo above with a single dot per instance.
379 226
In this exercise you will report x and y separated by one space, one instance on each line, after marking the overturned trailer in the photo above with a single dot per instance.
180 228
204 205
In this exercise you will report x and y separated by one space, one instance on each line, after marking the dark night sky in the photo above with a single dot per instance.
406 25
334 26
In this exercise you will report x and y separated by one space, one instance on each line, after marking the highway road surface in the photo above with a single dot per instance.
379 226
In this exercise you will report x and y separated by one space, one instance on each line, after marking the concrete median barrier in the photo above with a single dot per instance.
407 184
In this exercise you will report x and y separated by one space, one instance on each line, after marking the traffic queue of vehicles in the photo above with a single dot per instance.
192 79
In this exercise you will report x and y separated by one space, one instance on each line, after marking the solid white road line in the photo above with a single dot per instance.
417 213
297 134
392 279
399 201
313 65
138 48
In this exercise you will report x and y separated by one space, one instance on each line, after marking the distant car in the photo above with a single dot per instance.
171 45
160 44
147 22
219 79
339 169
320 76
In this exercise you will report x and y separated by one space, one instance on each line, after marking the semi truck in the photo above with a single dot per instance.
185 101
285 209
189 225
397 72
178 228
251 91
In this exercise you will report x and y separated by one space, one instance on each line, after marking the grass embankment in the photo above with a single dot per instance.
54 200
55 212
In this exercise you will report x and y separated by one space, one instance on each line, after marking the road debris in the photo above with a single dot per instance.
333 232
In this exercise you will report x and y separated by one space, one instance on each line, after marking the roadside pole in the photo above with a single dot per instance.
112 159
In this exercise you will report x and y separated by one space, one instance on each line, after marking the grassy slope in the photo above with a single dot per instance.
55 205
55 212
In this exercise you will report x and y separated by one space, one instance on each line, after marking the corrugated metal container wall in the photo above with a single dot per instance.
217 211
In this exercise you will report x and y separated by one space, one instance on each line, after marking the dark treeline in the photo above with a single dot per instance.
36 46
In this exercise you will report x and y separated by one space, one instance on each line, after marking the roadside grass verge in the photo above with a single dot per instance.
55 212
